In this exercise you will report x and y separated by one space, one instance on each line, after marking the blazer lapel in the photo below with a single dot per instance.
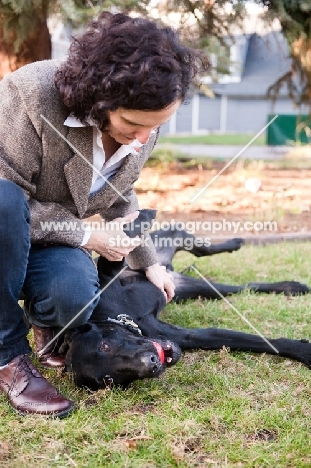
128 172
79 173
78 170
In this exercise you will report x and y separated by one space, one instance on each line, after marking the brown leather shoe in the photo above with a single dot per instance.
50 358
29 392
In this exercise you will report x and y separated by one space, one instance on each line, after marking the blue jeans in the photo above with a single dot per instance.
57 280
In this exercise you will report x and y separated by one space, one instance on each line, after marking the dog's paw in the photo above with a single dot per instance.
141 224
234 244
288 288
294 288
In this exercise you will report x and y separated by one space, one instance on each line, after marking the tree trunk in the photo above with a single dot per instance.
301 53
36 47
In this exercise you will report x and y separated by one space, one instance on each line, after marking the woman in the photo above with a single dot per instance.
74 137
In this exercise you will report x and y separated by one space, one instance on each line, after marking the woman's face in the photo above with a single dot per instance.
126 125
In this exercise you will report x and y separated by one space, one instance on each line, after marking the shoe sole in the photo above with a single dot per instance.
60 415
51 367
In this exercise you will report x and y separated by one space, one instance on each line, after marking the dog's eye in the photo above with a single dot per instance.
105 347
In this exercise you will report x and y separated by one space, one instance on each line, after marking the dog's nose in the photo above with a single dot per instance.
151 363
155 364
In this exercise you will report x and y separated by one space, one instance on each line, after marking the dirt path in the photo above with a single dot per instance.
284 198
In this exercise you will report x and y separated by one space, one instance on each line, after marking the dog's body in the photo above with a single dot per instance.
110 349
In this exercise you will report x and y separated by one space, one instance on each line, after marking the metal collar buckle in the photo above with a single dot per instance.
127 321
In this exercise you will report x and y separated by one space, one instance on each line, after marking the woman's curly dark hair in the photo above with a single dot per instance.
125 62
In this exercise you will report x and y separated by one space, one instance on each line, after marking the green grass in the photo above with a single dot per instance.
214 139
213 409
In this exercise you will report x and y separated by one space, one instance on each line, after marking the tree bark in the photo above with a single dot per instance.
36 47
301 53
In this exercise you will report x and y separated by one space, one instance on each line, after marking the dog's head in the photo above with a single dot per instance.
111 354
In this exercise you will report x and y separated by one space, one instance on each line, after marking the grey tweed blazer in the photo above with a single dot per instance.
56 180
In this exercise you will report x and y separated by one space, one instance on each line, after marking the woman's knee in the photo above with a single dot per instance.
12 198
74 305
61 310
77 313
61 286
9 189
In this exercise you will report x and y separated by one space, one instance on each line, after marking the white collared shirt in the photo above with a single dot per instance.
107 169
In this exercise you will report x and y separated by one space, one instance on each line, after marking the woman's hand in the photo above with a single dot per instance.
158 275
112 242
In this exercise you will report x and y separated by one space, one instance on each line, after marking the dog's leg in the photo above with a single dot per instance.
289 288
187 287
204 250
169 242
216 338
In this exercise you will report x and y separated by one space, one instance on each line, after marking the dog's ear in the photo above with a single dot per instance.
87 327
69 338
141 224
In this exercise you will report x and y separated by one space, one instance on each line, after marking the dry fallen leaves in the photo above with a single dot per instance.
132 442
4 450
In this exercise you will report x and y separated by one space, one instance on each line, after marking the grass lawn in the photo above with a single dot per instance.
213 409
214 139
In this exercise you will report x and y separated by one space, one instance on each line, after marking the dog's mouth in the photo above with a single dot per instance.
169 353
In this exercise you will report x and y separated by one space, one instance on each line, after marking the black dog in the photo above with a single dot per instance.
125 340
